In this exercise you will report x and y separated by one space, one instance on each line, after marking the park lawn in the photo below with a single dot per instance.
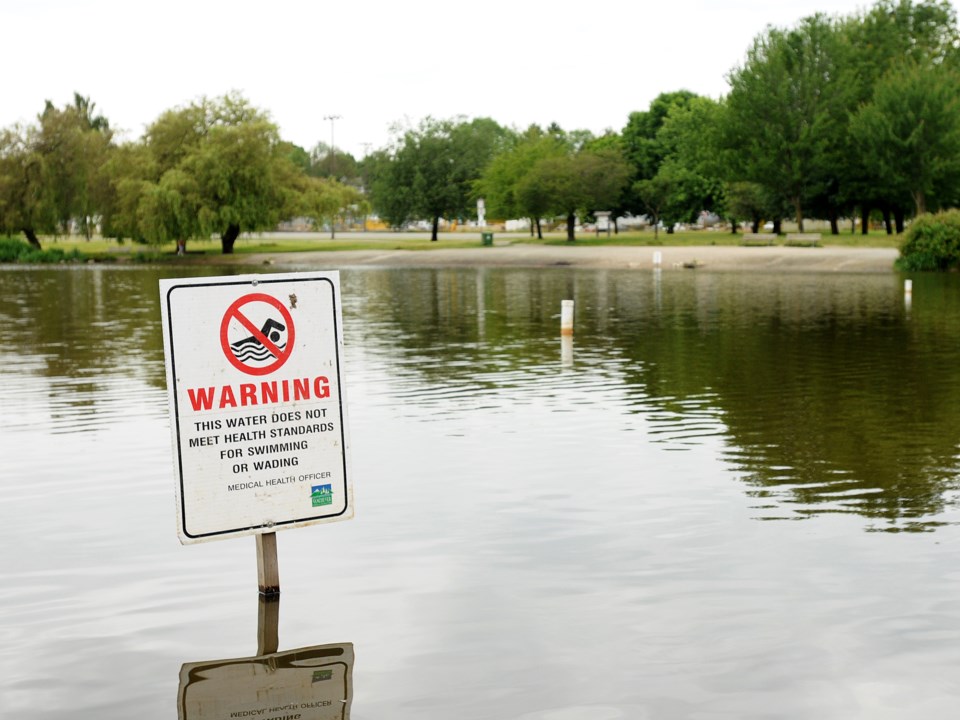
698 238
105 250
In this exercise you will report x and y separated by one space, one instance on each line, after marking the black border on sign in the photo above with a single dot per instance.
176 407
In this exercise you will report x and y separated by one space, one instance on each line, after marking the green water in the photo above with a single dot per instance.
731 495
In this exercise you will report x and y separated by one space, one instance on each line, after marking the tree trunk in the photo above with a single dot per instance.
834 222
755 226
435 228
864 220
920 198
532 228
899 218
853 223
734 226
32 237
777 226
571 222
888 221
799 213
539 230
616 227
228 238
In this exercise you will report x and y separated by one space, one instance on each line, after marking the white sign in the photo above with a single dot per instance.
259 422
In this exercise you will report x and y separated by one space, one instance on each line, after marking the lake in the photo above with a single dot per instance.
732 495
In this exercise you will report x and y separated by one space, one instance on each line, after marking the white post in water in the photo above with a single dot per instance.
908 287
566 350
566 317
657 258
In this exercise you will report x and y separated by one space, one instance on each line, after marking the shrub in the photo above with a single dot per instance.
13 250
932 242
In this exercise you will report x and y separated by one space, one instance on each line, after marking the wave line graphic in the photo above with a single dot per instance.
245 351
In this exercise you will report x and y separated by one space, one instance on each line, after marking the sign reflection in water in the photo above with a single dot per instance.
311 683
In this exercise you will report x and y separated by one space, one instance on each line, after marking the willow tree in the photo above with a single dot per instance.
26 204
225 159
52 172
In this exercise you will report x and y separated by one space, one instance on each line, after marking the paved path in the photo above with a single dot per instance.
705 258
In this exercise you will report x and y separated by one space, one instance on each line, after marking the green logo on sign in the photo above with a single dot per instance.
319 675
321 495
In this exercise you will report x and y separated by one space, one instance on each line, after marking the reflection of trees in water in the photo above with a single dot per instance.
93 332
830 399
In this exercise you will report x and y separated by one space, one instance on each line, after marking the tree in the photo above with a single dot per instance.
431 170
130 171
390 187
754 203
501 180
581 181
221 159
51 173
781 111
654 193
331 162
642 147
26 204
884 37
324 200
911 132
693 159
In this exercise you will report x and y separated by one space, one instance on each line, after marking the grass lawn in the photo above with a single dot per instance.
109 250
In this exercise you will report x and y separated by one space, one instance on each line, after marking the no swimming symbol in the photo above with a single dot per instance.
257 334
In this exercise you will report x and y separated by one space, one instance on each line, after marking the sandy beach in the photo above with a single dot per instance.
708 258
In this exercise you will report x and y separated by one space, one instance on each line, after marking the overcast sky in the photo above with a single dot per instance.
377 62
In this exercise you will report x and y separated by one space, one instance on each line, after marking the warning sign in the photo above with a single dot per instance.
259 423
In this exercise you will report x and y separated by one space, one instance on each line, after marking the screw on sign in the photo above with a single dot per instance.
257 334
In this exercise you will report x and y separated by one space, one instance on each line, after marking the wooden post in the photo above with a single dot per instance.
268 570
268 624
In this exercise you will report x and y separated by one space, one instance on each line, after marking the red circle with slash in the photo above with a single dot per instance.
258 335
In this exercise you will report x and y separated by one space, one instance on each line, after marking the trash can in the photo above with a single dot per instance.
487 238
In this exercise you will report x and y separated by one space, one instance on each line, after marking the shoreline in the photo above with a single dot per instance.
707 258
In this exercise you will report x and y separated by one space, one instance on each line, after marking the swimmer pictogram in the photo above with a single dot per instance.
257 334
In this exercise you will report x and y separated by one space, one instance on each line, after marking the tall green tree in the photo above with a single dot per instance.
911 132
237 167
643 147
501 181
693 160
26 203
430 171
781 110
332 162
51 173
577 182
880 39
